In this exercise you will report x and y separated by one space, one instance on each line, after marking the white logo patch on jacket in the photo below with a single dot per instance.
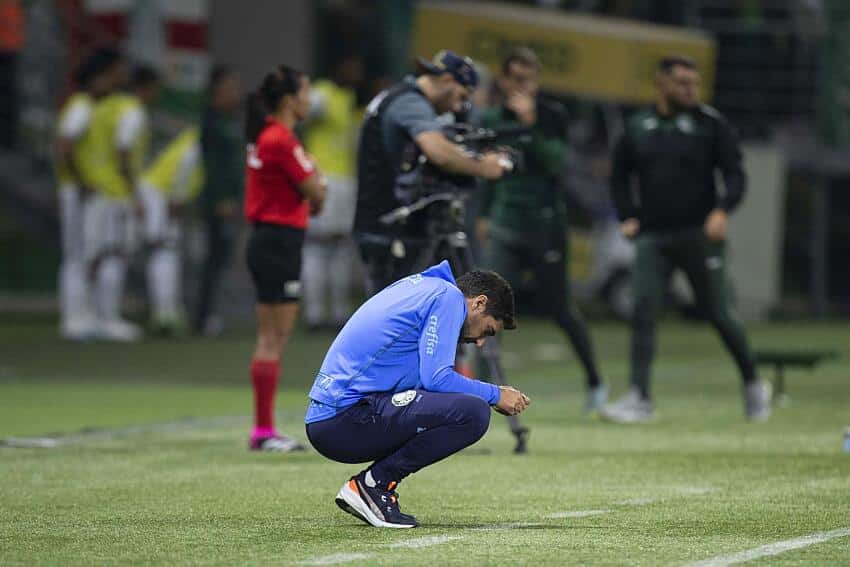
403 398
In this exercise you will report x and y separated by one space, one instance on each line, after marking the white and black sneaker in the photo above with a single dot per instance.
757 398
595 399
376 505
631 408
277 444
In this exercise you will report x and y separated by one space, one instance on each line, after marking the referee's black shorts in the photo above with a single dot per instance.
273 255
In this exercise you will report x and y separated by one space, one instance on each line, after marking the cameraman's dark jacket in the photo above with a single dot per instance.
528 200
377 168
674 160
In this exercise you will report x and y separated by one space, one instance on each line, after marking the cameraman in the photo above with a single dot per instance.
402 115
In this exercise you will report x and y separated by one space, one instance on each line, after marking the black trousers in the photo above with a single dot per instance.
221 237
704 263
545 253
8 98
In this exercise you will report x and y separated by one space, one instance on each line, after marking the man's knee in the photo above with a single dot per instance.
472 412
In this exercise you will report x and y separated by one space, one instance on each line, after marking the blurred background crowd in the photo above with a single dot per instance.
167 80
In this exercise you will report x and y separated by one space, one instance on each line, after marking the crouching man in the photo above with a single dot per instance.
387 391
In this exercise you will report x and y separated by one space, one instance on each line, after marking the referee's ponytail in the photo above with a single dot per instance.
266 99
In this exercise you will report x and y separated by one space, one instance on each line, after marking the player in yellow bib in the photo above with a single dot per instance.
120 135
330 138
166 187
98 75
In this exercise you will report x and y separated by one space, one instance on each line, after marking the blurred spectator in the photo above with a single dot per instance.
96 77
120 130
328 249
11 41
223 153
663 184
172 181
523 221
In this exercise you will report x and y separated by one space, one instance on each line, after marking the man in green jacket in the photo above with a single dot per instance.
523 222
663 185
223 151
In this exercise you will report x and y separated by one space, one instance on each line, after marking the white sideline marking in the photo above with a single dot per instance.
416 543
111 433
577 514
771 549
506 526
424 541
635 501
697 490
679 491
337 558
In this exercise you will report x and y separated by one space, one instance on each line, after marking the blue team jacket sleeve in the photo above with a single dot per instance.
442 323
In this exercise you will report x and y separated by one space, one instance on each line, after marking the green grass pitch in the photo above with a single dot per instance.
171 481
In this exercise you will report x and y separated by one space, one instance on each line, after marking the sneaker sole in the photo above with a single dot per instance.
343 505
351 498
630 421
296 449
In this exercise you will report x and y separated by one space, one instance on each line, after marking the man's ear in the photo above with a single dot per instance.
481 302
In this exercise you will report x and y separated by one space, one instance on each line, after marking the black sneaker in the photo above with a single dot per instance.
374 505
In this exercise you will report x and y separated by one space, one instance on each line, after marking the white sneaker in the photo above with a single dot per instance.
78 329
631 408
757 398
120 331
595 399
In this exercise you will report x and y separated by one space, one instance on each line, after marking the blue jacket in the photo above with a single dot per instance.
403 338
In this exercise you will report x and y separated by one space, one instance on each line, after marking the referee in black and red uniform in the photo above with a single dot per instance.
283 189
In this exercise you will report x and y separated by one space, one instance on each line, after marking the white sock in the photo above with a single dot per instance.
370 480
164 282
314 275
110 287
72 290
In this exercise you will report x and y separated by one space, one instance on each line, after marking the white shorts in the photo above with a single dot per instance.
71 220
337 217
159 226
109 227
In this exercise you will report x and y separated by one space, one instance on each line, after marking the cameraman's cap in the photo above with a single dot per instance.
460 68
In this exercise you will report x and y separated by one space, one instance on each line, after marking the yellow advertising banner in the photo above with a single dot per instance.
582 55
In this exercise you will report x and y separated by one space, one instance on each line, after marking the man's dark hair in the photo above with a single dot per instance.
144 76
217 75
523 55
500 296
667 63
95 64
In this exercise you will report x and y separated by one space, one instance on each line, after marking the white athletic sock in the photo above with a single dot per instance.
164 282
314 275
110 287
370 480
72 290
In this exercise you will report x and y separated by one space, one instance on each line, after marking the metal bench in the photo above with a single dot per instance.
789 358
